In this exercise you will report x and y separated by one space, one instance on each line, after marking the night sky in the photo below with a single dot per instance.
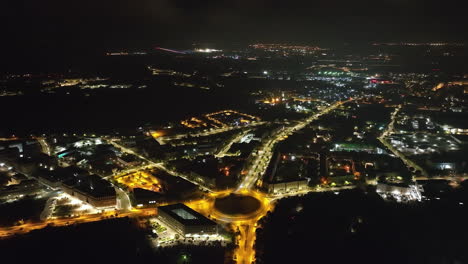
34 26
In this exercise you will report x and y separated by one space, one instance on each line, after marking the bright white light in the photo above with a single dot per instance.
206 50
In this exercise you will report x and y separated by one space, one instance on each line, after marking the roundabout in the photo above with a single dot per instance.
242 206
237 205
231 207
240 211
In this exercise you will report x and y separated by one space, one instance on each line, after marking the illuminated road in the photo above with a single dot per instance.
388 132
44 146
129 151
152 164
9 139
455 178
226 148
308 190
245 225
265 151
28 227
245 253
123 200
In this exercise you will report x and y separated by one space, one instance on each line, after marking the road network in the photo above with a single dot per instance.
244 226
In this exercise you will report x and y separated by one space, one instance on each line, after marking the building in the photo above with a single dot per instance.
459 128
144 197
91 189
357 147
400 191
54 178
442 164
286 187
24 188
21 145
289 173
186 221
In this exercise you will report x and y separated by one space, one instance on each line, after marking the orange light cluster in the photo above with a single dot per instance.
194 123
142 180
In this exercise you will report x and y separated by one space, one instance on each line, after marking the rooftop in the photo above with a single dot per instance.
92 185
185 215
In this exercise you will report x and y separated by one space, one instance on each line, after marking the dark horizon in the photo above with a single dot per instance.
86 25
236 132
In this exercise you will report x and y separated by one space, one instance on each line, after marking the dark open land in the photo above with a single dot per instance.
108 241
